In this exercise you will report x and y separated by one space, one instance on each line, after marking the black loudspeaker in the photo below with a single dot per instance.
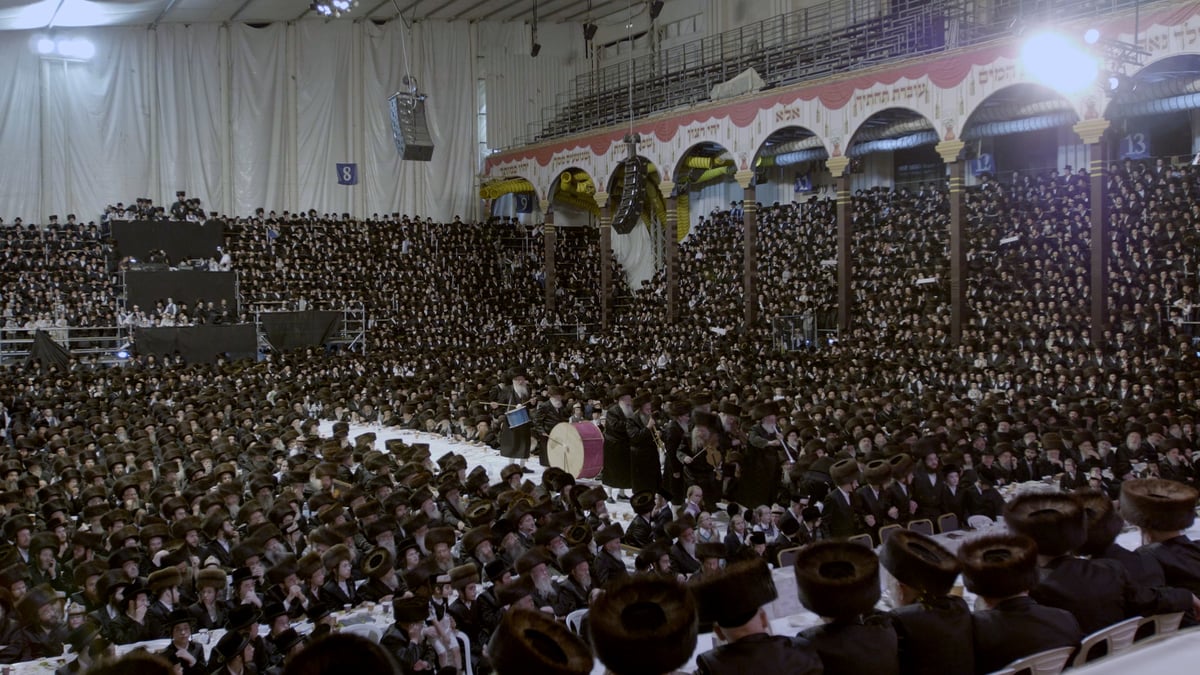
633 196
410 130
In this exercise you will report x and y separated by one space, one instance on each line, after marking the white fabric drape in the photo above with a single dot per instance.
192 113
260 121
96 131
520 86
635 252
20 133
240 117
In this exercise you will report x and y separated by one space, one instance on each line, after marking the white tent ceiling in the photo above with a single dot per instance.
41 14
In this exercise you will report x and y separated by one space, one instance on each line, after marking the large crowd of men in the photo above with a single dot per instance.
150 500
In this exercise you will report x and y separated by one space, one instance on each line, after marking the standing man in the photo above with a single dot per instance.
643 450
515 440
548 415
617 459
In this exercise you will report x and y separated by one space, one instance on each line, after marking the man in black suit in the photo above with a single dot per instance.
874 510
549 414
927 485
838 515
515 441
1164 509
683 551
953 495
983 499
1001 569
933 626
1097 592
640 533
609 566
576 588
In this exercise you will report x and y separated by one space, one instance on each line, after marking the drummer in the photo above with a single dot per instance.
548 414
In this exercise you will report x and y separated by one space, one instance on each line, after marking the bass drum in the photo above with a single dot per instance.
576 448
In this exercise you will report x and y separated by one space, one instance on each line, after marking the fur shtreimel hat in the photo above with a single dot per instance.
837 579
920 562
999 565
1055 522
732 596
528 641
644 626
1157 504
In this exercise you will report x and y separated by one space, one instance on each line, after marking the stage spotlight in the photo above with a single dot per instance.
1091 36
1059 63
656 8
589 31
45 46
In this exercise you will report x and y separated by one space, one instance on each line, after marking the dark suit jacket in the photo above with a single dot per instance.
856 646
1098 593
986 503
1180 561
927 496
640 534
868 504
935 637
606 569
838 517
954 502
1141 565
572 594
681 561
333 594
467 620
760 653
1018 627
195 650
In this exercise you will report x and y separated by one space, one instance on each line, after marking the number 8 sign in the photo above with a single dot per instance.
347 174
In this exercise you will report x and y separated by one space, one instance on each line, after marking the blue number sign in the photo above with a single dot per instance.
347 174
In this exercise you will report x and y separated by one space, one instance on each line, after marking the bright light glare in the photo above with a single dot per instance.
1091 36
75 48
1059 63
45 46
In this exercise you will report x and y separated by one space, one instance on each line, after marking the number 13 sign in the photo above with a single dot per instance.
347 174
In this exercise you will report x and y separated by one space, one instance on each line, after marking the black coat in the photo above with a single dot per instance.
617 460
928 496
1099 593
640 533
1018 627
195 650
606 569
760 653
935 637
1180 562
987 502
1141 565
838 516
682 561
646 472
335 595
856 646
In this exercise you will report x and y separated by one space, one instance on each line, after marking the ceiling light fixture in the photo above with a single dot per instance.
333 9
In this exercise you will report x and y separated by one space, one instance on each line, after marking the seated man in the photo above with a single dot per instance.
733 601
1164 509
839 581
1001 569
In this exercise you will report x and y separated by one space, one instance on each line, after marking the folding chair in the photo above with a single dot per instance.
864 539
924 526
1049 662
1115 638
1159 624
787 556
947 522
887 530
575 620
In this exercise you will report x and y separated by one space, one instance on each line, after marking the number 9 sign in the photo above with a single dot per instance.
347 174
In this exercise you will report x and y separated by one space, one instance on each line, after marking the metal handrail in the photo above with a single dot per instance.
832 37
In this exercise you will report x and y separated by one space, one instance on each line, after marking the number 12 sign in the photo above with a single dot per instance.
347 174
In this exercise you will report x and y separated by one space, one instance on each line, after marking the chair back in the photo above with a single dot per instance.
1159 624
948 522
787 556
1049 662
924 526
864 539
887 530
575 620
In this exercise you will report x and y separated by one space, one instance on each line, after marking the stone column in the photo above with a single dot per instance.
950 152
671 250
837 166
605 259
551 240
749 245
1092 134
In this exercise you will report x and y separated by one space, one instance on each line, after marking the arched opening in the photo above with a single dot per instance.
1156 112
704 184
1020 129
894 146
512 199
790 166
576 250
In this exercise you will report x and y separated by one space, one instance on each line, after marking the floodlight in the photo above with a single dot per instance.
1091 36
1059 63
45 46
